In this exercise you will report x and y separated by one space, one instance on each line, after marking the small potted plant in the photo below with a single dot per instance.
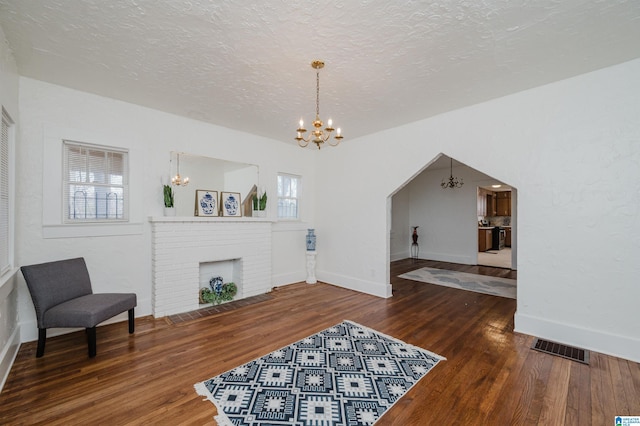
169 209
259 204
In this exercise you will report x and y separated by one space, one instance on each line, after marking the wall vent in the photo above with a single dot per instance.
569 352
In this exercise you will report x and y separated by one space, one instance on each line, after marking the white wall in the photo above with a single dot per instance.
9 331
572 148
122 262
400 233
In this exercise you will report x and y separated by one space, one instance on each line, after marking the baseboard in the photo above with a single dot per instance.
443 257
8 356
29 329
609 344
288 278
399 255
368 287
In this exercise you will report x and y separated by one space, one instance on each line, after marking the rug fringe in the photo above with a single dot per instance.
433 354
221 418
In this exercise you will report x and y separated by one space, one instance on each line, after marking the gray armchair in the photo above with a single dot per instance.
62 295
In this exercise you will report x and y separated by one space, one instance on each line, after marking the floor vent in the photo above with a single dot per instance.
569 352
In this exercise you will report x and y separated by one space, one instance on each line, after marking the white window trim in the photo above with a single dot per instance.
53 225
299 199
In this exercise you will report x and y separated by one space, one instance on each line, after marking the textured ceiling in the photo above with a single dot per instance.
246 65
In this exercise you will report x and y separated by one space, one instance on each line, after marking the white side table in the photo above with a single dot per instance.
311 267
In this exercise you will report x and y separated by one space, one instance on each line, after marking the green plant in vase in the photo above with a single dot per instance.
226 293
260 203
168 196
168 200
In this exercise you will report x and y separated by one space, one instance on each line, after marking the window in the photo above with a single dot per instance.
95 182
6 245
288 196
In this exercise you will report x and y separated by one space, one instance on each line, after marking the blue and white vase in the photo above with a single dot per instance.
311 240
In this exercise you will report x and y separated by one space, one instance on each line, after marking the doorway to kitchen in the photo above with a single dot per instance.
496 216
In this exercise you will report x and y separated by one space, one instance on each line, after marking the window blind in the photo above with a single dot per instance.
5 243
95 183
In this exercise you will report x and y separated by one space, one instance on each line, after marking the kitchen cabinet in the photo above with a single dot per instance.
485 239
491 204
486 203
503 203
507 238
482 202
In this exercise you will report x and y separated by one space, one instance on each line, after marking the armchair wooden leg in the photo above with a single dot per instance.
42 337
91 334
132 324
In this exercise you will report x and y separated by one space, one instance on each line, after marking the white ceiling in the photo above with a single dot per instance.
246 65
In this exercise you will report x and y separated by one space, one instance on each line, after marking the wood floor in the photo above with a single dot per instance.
491 376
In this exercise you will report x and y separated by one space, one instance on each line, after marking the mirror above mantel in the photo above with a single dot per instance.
213 174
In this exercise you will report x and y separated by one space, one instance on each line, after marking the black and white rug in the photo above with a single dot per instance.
347 374
496 286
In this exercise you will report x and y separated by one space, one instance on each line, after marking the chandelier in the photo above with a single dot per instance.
318 135
452 182
177 179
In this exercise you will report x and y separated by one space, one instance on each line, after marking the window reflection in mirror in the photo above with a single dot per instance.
210 174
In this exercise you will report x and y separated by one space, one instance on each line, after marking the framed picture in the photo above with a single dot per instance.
206 203
230 204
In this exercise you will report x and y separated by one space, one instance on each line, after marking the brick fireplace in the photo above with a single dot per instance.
182 248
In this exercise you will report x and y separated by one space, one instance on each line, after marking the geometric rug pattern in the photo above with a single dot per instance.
347 374
496 286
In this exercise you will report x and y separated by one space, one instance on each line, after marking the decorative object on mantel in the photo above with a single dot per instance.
206 203
311 240
177 179
318 135
247 204
452 182
219 291
414 243
169 209
259 203
230 204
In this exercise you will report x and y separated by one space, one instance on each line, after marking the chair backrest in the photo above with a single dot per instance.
52 283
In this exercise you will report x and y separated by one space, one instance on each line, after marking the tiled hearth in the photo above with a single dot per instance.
181 244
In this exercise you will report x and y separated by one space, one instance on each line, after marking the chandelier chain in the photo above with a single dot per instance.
317 94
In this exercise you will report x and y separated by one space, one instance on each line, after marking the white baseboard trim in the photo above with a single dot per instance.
288 278
443 257
8 356
368 287
609 344
399 255
29 329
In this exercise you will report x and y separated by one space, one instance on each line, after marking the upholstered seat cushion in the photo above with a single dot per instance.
89 310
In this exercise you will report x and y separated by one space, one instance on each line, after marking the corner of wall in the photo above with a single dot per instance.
368 287
8 356
568 334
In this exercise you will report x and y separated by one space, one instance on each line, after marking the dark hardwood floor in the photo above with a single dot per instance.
491 376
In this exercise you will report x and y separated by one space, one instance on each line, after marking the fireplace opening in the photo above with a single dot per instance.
220 272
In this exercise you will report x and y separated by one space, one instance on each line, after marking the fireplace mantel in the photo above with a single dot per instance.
179 245
156 219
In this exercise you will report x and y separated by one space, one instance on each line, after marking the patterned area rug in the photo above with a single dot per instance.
496 286
347 374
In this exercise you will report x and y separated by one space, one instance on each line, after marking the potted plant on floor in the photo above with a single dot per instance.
169 209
